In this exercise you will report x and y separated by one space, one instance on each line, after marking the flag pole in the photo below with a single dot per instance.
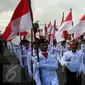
29 2
45 32
72 23
62 18
72 16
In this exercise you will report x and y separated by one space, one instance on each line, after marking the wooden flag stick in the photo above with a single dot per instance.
29 2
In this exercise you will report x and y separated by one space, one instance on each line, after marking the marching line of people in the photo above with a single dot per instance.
44 71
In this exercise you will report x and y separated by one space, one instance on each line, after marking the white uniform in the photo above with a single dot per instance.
73 61
83 48
48 69
63 49
49 47
29 64
55 50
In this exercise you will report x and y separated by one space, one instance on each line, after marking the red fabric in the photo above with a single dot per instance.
7 32
45 55
45 29
55 29
35 52
22 33
73 44
73 35
69 17
49 24
64 46
50 35
82 18
10 40
27 49
38 30
21 9
65 33
79 37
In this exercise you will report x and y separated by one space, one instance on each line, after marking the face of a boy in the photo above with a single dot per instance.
36 46
44 47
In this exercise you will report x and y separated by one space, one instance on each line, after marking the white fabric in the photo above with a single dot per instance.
65 26
36 74
83 48
22 23
55 50
59 36
78 27
49 75
75 61
49 47
38 34
16 40
29 64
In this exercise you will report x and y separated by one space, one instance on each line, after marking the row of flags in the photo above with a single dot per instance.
67 27
21 24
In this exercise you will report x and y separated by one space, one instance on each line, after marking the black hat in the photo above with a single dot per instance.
42 41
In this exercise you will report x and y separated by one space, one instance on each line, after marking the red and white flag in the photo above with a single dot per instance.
67 23
20 21
48 27
45 34
55 29
64 27
79 27
38 33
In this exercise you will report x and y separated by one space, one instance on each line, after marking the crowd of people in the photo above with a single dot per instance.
41 60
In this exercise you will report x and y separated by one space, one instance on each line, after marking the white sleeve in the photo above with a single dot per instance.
82 67
29 64
36 74
52 66
63 60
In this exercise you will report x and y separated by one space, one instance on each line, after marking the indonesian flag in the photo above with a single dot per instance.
38 33
48 27
48 31
78 28
67 23
55 29
62 19
16 39
45 32
64 27
20 21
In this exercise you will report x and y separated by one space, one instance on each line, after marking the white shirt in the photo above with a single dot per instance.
55 50
48 73
83 48
73 61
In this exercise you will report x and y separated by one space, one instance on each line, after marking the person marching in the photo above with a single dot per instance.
73 61
48 65
55 48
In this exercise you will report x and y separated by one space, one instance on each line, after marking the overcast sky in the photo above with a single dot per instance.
43 10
